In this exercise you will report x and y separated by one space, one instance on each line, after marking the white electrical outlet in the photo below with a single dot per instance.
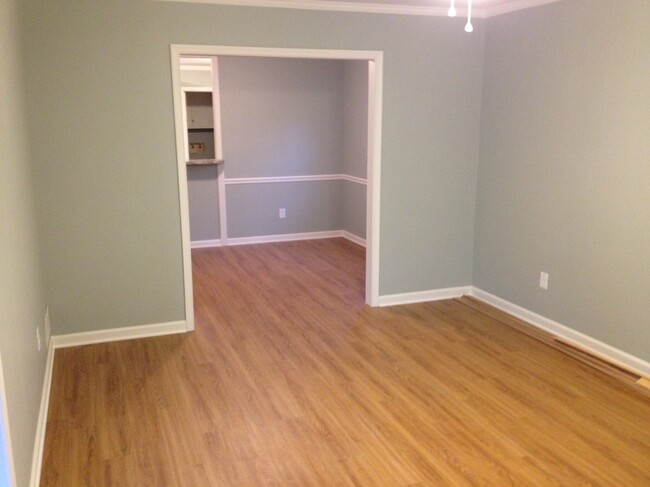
47 327
543 280
38 337
283 212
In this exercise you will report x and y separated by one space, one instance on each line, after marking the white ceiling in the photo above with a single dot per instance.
480 8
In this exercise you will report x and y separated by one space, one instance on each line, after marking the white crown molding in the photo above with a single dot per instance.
573 337
515 6
423 296
339 6
330 5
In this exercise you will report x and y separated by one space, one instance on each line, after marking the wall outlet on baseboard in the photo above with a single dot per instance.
47 327
283 212
543 280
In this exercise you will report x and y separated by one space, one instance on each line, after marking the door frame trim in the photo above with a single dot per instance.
375 90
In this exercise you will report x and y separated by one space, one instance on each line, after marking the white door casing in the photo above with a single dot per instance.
375 86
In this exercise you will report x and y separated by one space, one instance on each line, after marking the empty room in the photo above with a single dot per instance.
324 243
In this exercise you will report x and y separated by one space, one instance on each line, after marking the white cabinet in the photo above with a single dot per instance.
199 110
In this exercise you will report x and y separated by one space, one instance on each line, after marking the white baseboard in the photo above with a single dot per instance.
423 296
206 244
353 238
39 441
86 338
580 340
117 334
287 237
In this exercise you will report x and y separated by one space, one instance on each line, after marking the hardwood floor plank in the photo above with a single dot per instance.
290 380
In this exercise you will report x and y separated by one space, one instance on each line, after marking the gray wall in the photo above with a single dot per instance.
281 117
355 145
203 202
355 118
311 207
564 178
22 305
287 117
353 208
100 75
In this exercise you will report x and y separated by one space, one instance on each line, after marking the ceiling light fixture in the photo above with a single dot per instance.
468 25
452 10
452 13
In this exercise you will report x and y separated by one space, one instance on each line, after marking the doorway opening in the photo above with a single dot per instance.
179 54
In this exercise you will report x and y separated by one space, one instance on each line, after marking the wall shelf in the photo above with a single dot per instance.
204 162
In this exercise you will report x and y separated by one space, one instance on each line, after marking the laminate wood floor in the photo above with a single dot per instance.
290 380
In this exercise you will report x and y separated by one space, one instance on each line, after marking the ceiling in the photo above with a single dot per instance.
478 4
480 8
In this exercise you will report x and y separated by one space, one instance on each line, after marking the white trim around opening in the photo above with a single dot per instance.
375 86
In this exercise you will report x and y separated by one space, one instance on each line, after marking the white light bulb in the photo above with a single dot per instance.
468 25
452 10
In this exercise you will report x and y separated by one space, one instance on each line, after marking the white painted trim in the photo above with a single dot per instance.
515 6
353 238
218 149
375 8
196 89
296 179
85 338
183 197
373 173
5 419
574 337
330 5
423 296
117 334
41 425
354 179
293 53
206 244
194 67
375 90
196 61
286 237
284 179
